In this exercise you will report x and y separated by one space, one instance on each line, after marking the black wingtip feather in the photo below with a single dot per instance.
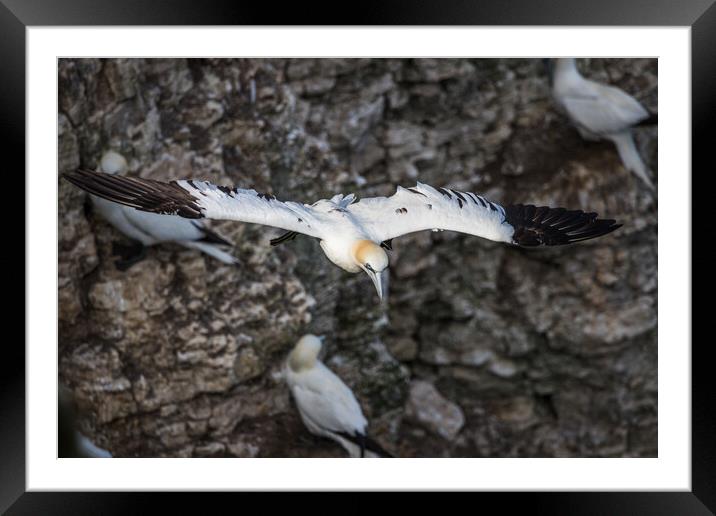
142 194
283 238
537 226
387 244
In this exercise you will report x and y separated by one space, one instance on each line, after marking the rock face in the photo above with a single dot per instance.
483 349
429 409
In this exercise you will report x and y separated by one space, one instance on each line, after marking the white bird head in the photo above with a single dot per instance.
305 353
370 257
113 163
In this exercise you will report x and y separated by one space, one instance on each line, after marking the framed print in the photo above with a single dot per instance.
198 312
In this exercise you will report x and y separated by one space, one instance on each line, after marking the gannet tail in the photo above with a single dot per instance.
377 449
630 157
211 250
652 119
363 445
537 226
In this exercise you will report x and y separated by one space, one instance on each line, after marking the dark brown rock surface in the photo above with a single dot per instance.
519 353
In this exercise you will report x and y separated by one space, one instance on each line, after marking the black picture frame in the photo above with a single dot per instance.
17 15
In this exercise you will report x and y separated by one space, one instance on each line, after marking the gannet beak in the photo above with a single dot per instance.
378 282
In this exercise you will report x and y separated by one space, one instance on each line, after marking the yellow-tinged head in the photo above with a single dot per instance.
305 354
370 257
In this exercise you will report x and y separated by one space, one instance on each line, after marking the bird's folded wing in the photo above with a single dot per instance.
424 207
199 199
605 110
162 227
328 412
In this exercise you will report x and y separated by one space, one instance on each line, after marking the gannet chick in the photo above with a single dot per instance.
149 229
327 406
599 111
354 235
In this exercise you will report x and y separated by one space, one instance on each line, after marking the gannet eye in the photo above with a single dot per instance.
369 267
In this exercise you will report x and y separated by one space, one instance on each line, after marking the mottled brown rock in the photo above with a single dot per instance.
541 352
430 409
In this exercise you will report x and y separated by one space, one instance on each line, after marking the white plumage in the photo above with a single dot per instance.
425 208
327 406
353 235
600 111
151 228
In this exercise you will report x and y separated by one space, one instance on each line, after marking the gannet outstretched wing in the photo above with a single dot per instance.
382 218
200 199
149 229
354 235
424 207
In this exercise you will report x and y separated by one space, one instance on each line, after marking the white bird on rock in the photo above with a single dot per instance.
599 111
354 235
327 406
150 228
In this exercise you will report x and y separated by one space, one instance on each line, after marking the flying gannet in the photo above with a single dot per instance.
354 235
150 228
327 406
600 111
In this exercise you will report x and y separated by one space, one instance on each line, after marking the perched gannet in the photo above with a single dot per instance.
600 111
150 228
327 405
354 235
